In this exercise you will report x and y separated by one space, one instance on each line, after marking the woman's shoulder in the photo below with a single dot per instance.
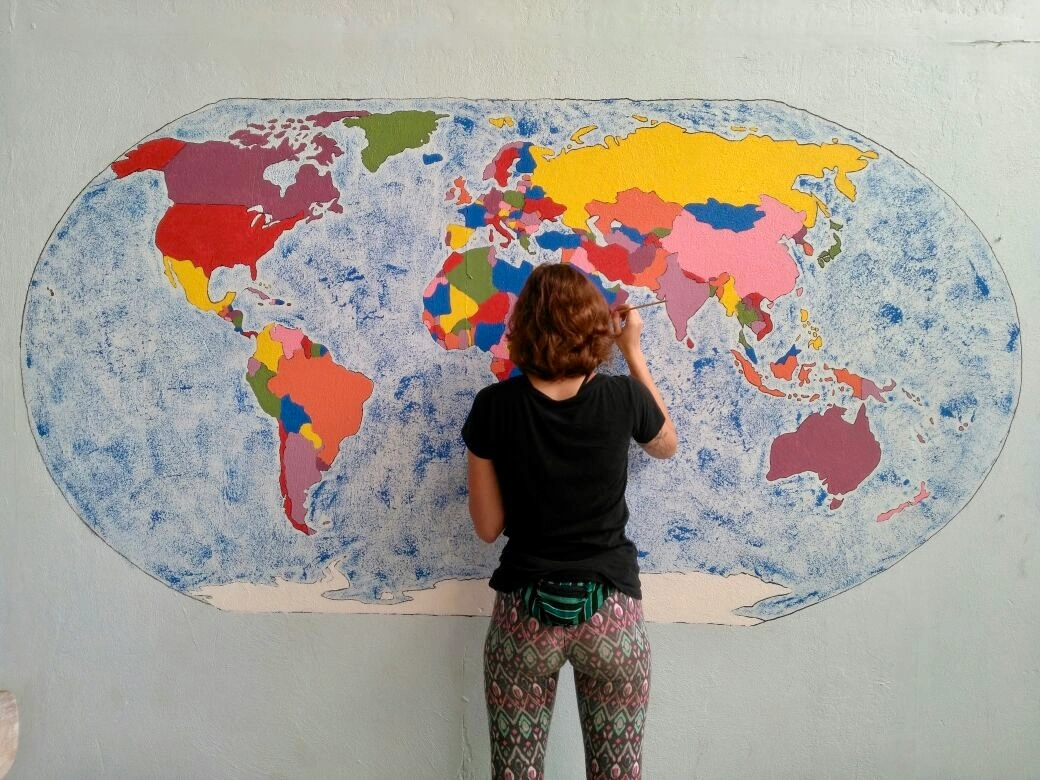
622 389
505 388
616 383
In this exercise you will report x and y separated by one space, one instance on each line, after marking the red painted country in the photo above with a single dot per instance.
546 208
449 265
503 162
610 260
492 311
149 156
218 236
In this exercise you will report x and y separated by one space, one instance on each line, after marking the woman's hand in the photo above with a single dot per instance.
628 327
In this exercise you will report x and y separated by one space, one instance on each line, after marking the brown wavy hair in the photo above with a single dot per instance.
560 325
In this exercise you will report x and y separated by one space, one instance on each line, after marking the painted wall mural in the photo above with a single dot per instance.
250 344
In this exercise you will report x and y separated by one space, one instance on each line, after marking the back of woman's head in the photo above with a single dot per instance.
560 325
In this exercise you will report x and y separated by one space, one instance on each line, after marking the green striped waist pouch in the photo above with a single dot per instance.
564 603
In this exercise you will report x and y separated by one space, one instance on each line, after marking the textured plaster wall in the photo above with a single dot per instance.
930 670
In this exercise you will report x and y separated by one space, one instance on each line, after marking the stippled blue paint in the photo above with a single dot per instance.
1013 334
716 517
706 457
81 447
892 313
408 546
960 407
201 555
526 126
430 451
736 420
887 476
1006 403
234 487
168 576
980 284
902 226
769 571
680 532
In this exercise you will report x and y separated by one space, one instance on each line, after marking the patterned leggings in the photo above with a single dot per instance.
611 659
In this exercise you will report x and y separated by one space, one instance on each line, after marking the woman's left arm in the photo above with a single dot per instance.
485 498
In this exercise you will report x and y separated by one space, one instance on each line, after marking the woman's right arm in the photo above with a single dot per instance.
485 498
628 326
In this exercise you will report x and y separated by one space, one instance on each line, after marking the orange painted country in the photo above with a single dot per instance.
634 208
331 395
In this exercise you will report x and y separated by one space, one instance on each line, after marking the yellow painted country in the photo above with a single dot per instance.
817 342
458 236
683 167
307 432
268 351
195 283
581 132
502 121
462 307
168 270
803 314
728 297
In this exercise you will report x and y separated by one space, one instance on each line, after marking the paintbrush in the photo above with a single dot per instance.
642 305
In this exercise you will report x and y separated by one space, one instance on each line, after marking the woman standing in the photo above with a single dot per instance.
548 466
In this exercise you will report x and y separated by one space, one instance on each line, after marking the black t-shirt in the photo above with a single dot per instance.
562 467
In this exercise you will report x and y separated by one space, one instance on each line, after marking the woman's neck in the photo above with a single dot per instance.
559 389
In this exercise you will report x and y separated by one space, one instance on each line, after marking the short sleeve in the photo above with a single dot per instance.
647 418
477 430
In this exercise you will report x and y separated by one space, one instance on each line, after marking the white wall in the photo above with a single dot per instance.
931 670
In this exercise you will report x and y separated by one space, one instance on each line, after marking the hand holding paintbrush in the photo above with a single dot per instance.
622 309
628 325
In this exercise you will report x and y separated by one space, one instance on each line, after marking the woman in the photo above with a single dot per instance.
547 465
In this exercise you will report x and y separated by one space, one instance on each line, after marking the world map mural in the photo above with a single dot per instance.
251 342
